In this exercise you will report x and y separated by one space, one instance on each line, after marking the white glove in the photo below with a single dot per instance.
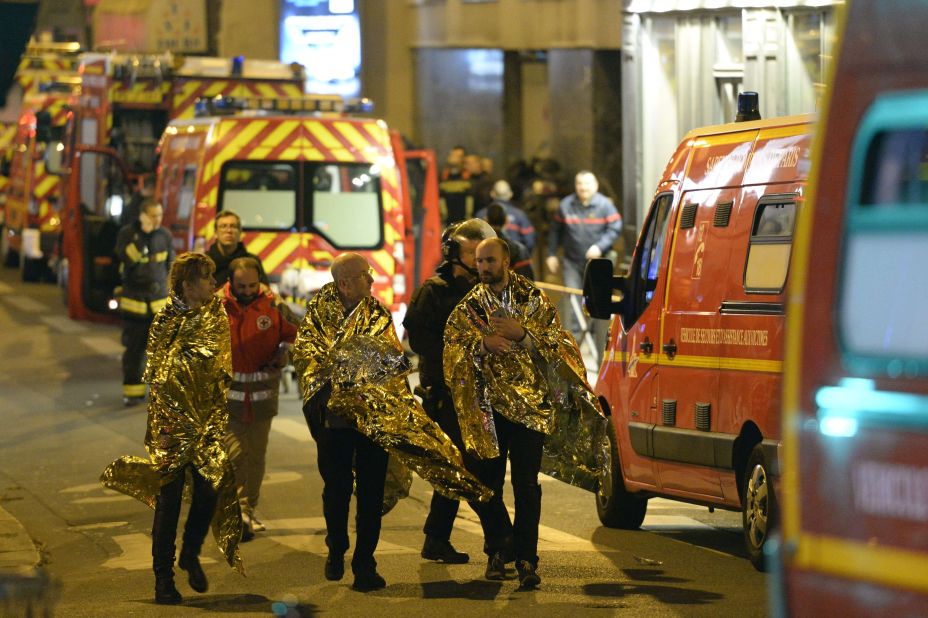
552 264
593 252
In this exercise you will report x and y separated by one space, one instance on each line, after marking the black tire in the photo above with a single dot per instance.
616 506
759 513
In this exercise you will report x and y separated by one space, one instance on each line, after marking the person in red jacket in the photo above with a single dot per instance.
261 339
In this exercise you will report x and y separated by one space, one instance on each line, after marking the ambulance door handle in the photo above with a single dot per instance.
646 346
670 349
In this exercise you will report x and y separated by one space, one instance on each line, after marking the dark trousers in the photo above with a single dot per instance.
342 452
524 448
167 512
494 518
135 340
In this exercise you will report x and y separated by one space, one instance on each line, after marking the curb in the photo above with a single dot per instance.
18 554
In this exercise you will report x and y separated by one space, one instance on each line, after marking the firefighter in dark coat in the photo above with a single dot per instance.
145 252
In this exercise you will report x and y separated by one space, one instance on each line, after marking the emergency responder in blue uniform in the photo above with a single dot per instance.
586 226
145 252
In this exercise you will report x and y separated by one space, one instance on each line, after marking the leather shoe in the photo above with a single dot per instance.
368 580
195 575
165 592
335 567
442 551
528 577
496 567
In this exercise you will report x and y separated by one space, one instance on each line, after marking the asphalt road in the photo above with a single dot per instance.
63 422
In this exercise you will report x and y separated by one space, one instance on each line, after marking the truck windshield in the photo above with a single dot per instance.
339 201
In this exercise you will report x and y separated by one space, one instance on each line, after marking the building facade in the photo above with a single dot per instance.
685 61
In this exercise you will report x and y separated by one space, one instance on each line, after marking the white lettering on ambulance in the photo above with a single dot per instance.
891 490
726 336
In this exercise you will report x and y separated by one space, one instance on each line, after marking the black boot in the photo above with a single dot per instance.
441 550
190 562
165 592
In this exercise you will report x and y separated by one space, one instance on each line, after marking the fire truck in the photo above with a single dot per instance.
46 84
123 106
308 180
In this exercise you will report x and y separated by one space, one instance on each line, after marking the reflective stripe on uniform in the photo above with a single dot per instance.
133 390
161 256
158 305
255 396
255 376
133 253
133 306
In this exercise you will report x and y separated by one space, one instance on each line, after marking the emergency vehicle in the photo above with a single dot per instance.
308 182
46 83
854 503
692 371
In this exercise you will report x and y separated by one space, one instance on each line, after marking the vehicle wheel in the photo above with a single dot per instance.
616 506
758 507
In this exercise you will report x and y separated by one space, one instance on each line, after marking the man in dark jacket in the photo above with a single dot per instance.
425 322
586 226
145 251
520 258
229 246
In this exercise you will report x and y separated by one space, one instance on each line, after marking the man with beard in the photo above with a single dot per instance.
229 246
261 339
515 376
425 322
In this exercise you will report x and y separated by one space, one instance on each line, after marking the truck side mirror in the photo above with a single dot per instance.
598 286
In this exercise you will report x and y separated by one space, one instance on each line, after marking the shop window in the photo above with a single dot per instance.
770 246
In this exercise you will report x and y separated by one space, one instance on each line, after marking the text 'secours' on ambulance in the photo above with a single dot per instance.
308 182
692 371
855 468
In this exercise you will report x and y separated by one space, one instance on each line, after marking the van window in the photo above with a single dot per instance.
187 193
650 249
770 246
263 194
345 205
884 282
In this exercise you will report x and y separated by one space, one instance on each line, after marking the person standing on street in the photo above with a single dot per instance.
145 251
261 339
229 246
189 369
425 323
512 371
359 407
586 226
518 226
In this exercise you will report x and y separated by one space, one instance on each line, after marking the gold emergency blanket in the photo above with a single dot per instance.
540 383
361 357
189 370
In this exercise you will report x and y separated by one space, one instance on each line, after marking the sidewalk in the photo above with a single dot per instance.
24 590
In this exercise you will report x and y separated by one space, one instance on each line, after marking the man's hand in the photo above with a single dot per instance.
552 263
594 252
508 328
280 359
497 344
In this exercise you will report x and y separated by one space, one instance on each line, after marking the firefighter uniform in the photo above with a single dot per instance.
258 331
144 262
223 260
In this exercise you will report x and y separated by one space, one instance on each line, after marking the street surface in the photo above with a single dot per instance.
63 422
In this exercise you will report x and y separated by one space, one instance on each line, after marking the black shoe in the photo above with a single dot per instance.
165 592
133 401
496 567
442 551
528 577
195 575
334 567
248 533
367 580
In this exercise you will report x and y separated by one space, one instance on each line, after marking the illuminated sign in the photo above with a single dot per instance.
325 37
